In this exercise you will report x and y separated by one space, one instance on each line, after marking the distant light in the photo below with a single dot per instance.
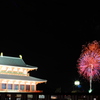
20 56
41 96
90 90
84 96
53 97
77 82
30 96
1 54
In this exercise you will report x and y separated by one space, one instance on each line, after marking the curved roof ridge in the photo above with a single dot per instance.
10 57
13 61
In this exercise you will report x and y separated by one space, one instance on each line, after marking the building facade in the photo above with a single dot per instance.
14 76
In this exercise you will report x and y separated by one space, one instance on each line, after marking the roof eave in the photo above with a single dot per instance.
34 68
38 82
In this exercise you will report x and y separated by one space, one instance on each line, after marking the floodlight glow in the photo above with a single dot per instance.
20 70
20 56
9 69
90 90
77 82
22 83
28 83
16 82
4 81
3 68
25 72
15 69
10 81
1 54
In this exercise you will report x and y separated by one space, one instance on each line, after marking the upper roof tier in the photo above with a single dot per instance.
14 61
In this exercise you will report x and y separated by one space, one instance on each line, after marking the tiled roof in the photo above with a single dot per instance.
14 61
24 78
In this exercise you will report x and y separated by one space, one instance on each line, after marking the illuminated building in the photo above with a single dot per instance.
14 76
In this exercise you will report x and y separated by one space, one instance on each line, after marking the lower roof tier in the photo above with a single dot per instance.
21 78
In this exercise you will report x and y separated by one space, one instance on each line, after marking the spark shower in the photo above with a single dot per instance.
89 62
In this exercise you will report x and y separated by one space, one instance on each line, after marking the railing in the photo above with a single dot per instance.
33 96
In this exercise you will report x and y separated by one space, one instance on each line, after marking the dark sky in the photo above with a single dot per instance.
49 35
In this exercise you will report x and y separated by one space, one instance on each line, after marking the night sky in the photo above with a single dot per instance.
49 35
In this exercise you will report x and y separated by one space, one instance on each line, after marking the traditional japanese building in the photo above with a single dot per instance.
14 76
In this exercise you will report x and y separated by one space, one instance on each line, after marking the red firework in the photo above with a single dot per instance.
89 61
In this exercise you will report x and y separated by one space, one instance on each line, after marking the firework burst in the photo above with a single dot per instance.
89 61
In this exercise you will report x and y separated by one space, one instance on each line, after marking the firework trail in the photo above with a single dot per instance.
89 61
